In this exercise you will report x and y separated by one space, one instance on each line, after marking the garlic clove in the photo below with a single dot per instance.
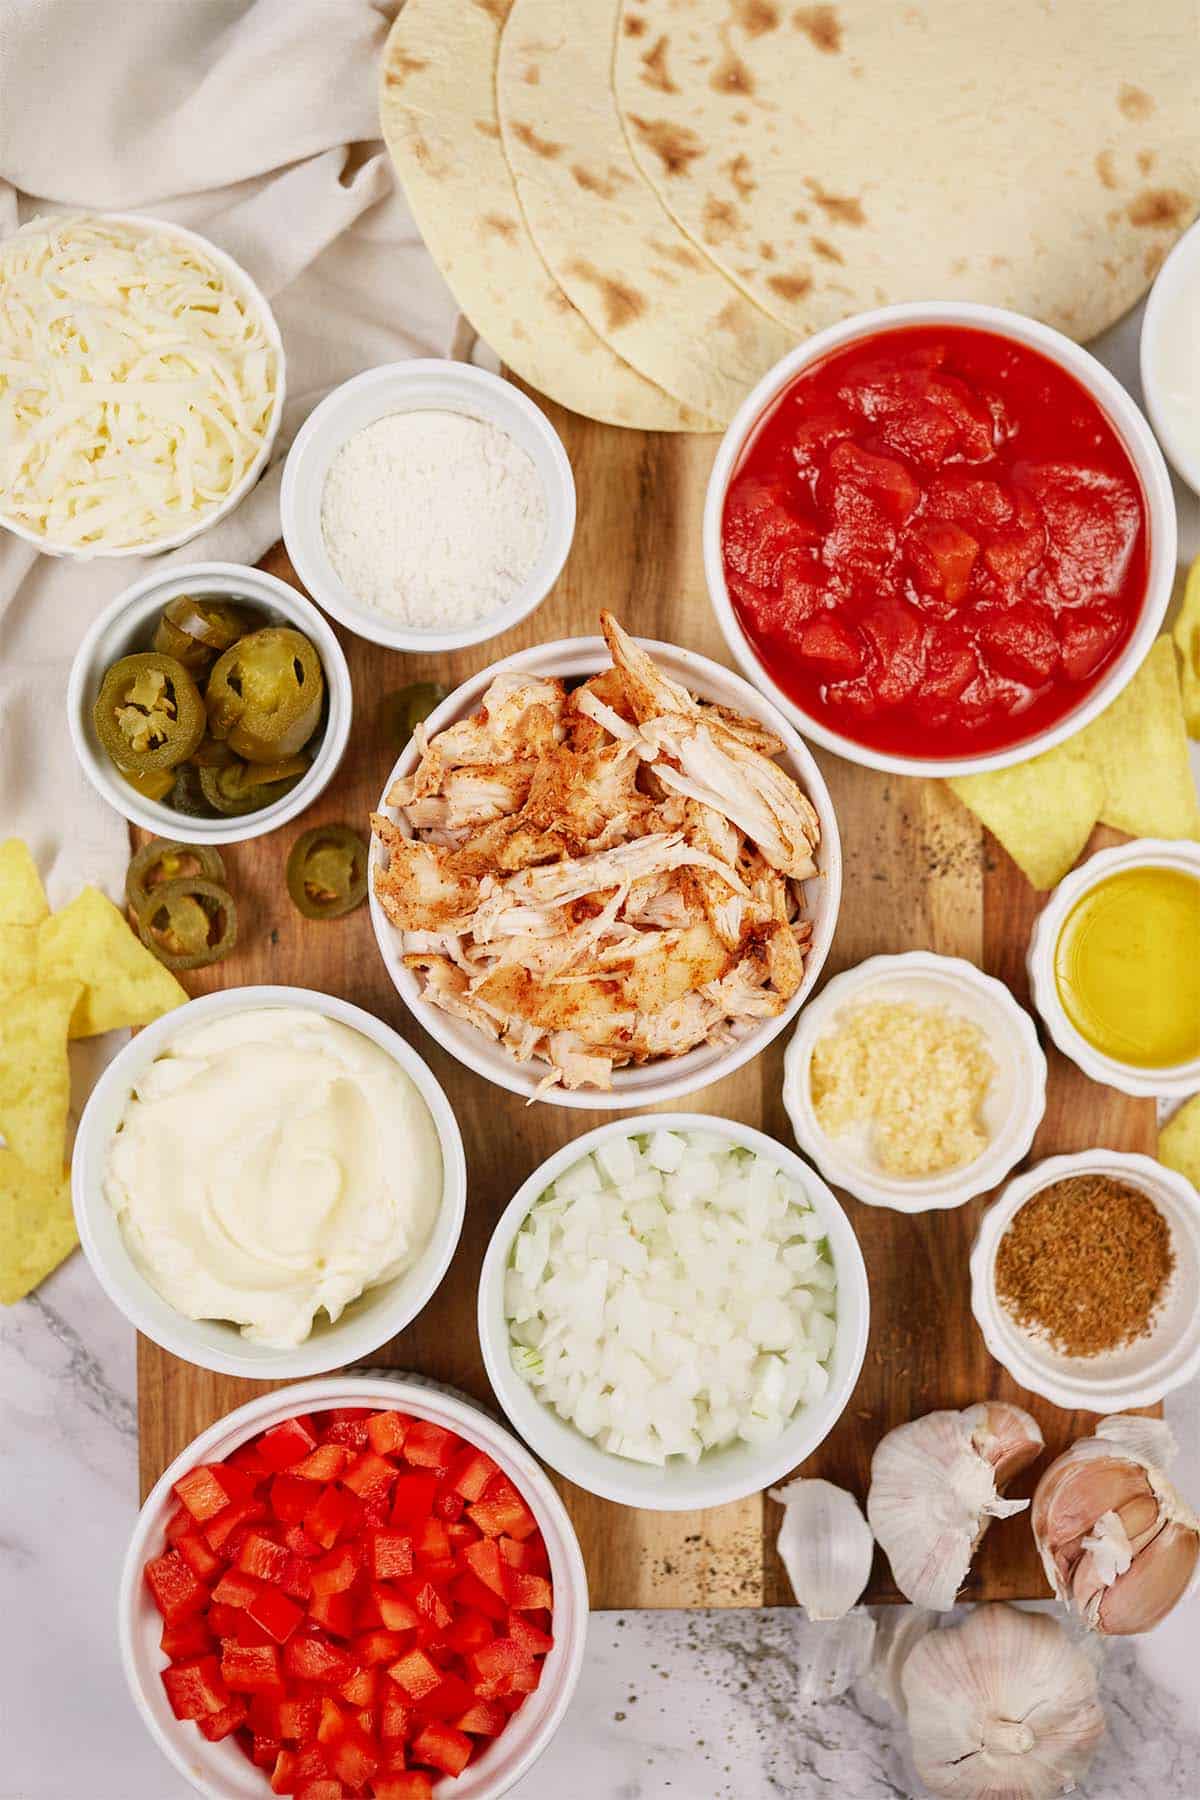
1007 1437
1069 1499
1140 1597
826 1546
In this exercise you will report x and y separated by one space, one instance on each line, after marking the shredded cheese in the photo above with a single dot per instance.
136 385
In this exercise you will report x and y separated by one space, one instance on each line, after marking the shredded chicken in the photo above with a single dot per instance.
604 876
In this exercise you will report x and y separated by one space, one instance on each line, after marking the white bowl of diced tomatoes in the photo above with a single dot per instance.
356 1586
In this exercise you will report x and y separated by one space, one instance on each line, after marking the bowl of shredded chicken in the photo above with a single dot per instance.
605 872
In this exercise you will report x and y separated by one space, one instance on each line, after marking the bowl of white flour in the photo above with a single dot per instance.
428 505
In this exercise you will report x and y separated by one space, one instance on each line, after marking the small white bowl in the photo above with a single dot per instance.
379 1315
1176 1081
668 1078
128 625
220 1771
1122 414
1169 360
1139 1374
253 297
431 384
1012 1108
720 1476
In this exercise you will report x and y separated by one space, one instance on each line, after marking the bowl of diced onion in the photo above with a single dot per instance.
673 1311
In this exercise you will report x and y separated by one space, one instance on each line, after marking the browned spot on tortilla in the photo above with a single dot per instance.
1106 169
1158 207
741 117
1145 161
532 76
719 220
677 253
654 62
730 75
730 318
767 252
487 128
1153 260
425 156
592 183
518 330
738 171
539 145
622 303
999 262
959 266
755 16
800 216
401 67
1134 102
674 145
790 287
821 25
842 207
824 248
502 226
633 27
557 298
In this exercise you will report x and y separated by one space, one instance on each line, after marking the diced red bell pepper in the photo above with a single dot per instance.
386 1432
287 1443
371 1647
180 1521
416 1673
324 1788
499 1667
296 1579
345 1425
367 1616
528 1593
186 1637
336 1571
469 1631
447 1504
297 1540
218 1531
412 1500
428 1601
295 1767
207 1491
196 1688
467 1590
429 1446
359 1689
483 1718
506 1505
262 1716
333 1611
352 1756
451 1697
315 1659
264 1751
215 1726
280 1616
332 1514
485 1561
298 1718
248 1460
291 1498
470 1473
260 1557
412 1784
325 1463
395 1714
529 1555
236 1588
431 1543
176 1590
389 1554
396 1610
202 1561
247 1631
461 1532
528 1636
252 1669
442 1747
370 1476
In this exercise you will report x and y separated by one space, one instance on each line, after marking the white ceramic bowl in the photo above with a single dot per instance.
720 1476
379 1315
670 1077
247 291
1012 1109
1183 854
220 1771
128 625
1167 354
430 384
1122 413
1140 1373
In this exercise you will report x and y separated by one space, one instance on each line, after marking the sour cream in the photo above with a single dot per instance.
271 1165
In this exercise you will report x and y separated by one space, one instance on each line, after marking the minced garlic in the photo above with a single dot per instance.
916 1075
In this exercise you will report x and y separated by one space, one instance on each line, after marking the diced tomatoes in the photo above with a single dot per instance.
1021 642
825 641
942 556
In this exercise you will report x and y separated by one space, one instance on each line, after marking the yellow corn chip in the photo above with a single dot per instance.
22 896
1187 639
1179 1141
37 1226
18 957
1139 745
1042 811
124 983
35 1075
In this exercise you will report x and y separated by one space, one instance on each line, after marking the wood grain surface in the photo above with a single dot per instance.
919 874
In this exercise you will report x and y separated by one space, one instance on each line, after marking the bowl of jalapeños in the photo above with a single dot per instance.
210 703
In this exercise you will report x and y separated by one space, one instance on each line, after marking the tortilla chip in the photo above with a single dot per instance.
22 896
1187 639
35 1075
1179 1141
1042 811
18 958
37 1226
1139 745
89 941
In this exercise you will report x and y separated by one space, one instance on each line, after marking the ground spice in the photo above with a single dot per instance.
1086 1261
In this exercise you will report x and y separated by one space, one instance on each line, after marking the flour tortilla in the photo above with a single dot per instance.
612 246
438 113
1041 156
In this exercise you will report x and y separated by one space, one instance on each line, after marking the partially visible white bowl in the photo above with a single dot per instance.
253 297
668 1078
1126 420
1168 357
1138 1374
720 1476
1012 1109
1182 854
220 1771
431 384
128 625
379 1315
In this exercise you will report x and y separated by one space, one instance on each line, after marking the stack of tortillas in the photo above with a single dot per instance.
642 204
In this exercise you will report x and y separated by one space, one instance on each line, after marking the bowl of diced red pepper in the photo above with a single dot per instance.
354 1589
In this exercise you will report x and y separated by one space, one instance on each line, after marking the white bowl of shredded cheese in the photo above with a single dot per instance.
931 1081
428 505
141 384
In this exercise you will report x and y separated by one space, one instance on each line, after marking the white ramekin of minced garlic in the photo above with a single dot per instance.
914 1081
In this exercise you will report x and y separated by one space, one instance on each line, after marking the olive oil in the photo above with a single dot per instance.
1127 967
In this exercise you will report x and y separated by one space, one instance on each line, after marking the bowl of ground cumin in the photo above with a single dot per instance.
1085 1280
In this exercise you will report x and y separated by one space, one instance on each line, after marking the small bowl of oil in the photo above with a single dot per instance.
1114 966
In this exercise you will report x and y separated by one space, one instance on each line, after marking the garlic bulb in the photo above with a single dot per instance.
826 1546
1002 1707
1118 1543
935 1488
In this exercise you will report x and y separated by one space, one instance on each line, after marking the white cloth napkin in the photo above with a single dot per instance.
253 121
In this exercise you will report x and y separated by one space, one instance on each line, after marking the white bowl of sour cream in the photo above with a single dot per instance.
269 1182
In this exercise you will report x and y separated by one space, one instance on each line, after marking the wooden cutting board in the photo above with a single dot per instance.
919 874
